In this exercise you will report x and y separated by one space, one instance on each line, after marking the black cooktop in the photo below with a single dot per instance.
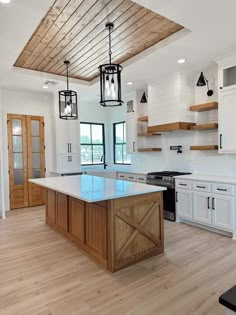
168 173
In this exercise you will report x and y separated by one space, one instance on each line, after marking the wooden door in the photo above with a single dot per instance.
17 152
26 159
36 158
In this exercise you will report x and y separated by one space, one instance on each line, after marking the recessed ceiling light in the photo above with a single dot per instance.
181 60
130 83
44 86
5 1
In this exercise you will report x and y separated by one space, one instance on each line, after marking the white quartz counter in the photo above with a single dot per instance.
93 188
209 178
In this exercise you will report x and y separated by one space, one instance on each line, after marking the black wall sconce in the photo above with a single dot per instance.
143 98
202 81
177 148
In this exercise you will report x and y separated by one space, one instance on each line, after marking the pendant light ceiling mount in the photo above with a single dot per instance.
110 78
68 108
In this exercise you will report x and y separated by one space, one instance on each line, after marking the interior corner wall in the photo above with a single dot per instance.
2 191
25 103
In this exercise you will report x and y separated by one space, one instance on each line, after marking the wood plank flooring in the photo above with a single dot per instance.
41 273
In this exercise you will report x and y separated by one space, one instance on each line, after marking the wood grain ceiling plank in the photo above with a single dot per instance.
98 48
89 16
41 30
122 42
91 31
124 53
72 13
124 23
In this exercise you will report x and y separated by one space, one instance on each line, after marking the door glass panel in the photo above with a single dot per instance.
35 127
97 154
36 174
36 160
18 160
97 135
16 127
17 144
35 144
18 177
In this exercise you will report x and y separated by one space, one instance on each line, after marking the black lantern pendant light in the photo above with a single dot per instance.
110 79
202 81
68 100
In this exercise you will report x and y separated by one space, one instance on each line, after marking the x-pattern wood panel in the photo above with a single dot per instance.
136 223
75 30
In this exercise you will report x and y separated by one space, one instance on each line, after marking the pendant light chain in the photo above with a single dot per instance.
67 75
110 52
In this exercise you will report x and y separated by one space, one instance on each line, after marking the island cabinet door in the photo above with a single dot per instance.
96 231
51 207
77 219
62 212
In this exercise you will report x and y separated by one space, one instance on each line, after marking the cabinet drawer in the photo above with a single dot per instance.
131 177
141 178
223 189
184 184
122 176
202 186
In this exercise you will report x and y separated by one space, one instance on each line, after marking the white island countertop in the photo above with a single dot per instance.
92 188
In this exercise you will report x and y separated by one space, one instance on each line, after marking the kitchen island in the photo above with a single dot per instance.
116 223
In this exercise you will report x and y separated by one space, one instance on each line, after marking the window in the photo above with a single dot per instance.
120 155
92 143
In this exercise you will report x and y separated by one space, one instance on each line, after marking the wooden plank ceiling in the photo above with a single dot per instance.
74 30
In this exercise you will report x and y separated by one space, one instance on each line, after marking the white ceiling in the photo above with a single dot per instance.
212 24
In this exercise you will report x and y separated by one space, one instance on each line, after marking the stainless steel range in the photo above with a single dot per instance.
166 179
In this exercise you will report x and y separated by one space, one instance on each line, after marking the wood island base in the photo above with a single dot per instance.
115 233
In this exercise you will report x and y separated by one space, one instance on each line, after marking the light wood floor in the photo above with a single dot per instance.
41 273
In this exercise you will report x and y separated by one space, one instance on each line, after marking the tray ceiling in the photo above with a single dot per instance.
75 30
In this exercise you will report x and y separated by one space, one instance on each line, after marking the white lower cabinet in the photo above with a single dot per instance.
184 203
132 177
68 163
207 207
223 214
201 207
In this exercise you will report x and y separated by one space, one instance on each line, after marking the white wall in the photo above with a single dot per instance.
26 103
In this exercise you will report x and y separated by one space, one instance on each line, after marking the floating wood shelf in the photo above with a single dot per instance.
210 126
148 134
204 147
171 127
149 150
204 107
143 118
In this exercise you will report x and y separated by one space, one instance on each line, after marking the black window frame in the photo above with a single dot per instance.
98 144
114 143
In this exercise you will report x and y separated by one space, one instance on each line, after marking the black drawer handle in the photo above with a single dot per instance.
201 186
182 184
141 178
221 141
176 196
213 203
222 189
208 201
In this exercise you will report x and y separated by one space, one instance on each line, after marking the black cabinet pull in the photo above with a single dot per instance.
133 146
68 158
222 189
68 148
208 201
213 203
201 186
177 196
183 184
221 141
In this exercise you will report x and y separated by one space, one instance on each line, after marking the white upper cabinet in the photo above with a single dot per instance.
227 127
67 134
131 133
